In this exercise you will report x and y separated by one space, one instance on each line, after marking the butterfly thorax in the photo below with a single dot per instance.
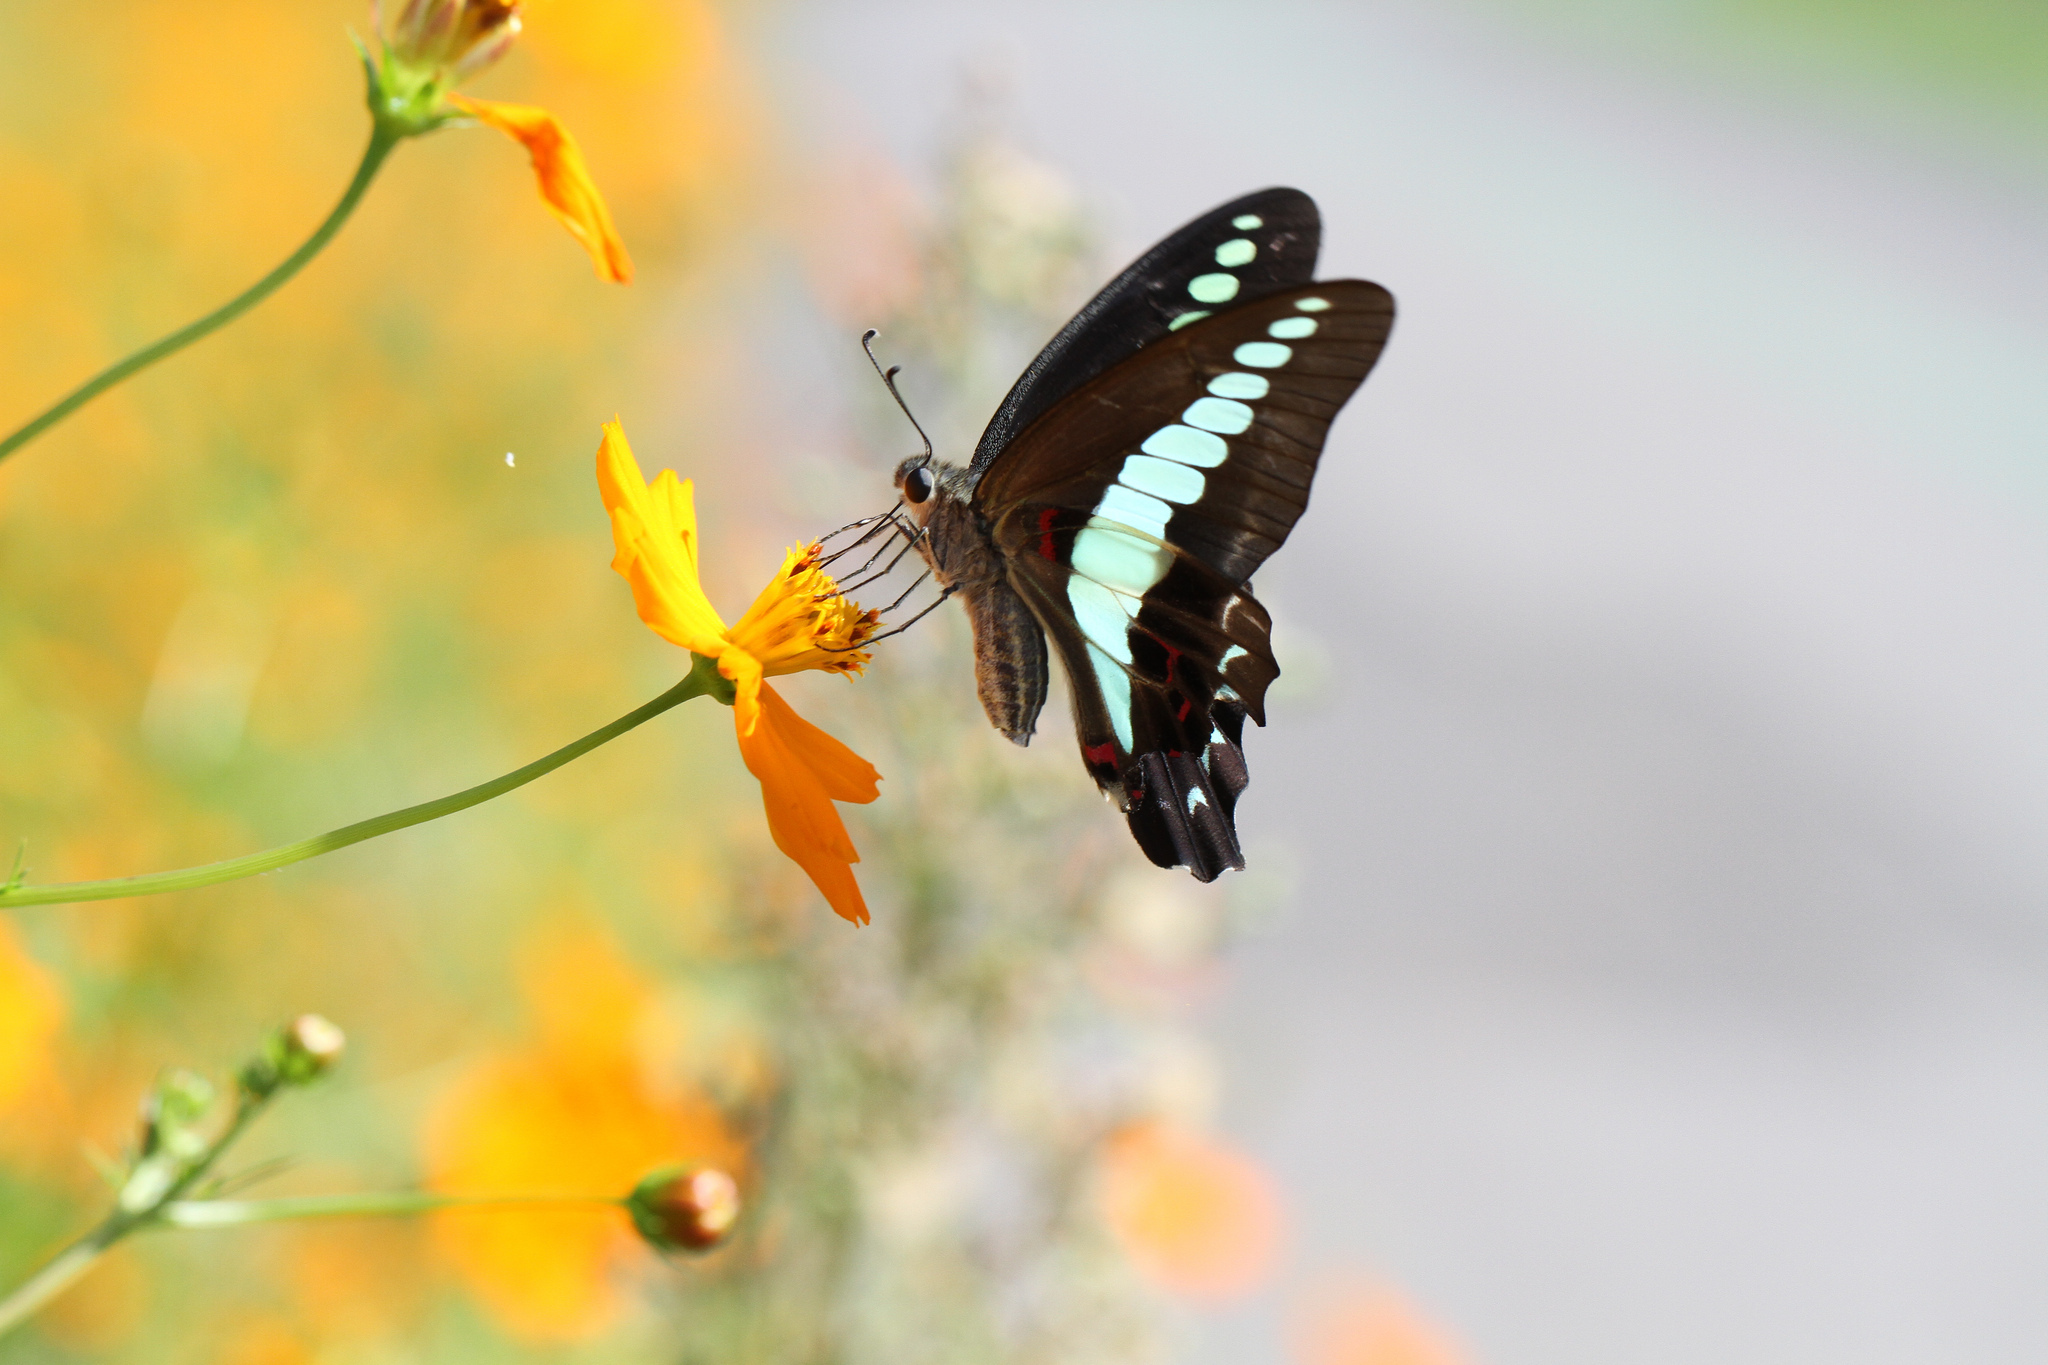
957 545
1010 657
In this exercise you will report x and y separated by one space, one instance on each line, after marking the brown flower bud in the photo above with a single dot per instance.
685 1209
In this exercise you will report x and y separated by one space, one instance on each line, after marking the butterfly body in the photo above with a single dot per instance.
1151 458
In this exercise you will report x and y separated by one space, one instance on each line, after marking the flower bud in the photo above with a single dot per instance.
311 1045
296 1054
682 1209
428 49
172 1110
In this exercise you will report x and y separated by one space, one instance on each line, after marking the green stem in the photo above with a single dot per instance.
383 137
59 1275
72 1262
228 1213
703 678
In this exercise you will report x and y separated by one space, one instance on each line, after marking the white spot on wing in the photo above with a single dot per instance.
1235 252
1102 617
1117 558
1312 305
1223 415
1116 694
1185 318
1237 384
1166 479
1204 449
1134 509
1245 222
1263 355
1292 329
1195 799
1213 288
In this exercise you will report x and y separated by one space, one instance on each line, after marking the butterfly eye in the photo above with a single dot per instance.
917 485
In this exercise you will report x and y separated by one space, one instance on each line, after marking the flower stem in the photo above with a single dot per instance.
703 678
58 1276
228 1213
383 137
72 1262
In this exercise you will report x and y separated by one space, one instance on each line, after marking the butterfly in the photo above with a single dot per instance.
1150 459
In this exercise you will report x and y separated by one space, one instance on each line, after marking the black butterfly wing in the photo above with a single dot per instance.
1232 254
1129 518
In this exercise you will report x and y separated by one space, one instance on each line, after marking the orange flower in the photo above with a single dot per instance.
1362 1322
433 46
800 621
583 1108
1195 1217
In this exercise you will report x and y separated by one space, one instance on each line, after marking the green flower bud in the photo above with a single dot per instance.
171 1111
296 1054
684 1209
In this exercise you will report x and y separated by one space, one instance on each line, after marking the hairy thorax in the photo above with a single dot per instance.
1009 646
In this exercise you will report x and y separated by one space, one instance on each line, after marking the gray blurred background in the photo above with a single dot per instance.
1657 789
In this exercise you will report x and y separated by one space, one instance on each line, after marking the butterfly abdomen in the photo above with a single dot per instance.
1009 660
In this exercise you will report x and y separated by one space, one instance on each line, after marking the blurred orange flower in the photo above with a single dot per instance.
1367 1323
577 1111
1194 1216
800 621
31 1009
431 47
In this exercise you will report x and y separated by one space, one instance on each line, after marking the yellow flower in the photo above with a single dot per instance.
31 1009
800 621
435 45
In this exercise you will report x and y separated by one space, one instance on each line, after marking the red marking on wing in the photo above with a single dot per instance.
1099 755
1045 517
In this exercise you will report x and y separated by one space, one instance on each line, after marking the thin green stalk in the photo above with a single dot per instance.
703 678
383 137
72 1262
59 1275
229 1213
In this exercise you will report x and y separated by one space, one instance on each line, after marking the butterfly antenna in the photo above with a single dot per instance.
889 378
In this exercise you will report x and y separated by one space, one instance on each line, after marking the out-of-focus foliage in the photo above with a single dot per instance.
291 578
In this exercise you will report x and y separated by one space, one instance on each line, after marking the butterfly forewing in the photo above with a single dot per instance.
1213 432
1231 255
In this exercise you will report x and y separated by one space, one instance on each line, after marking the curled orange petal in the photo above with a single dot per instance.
565 183
802 771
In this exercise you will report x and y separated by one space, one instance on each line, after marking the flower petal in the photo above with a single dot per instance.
844 774
565 183
780 753
654 533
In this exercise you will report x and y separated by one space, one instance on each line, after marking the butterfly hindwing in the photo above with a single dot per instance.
1235 253
1154 706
